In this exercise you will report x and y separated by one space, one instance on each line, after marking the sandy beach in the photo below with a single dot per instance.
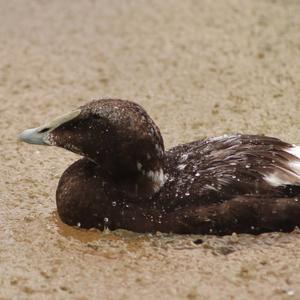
200 68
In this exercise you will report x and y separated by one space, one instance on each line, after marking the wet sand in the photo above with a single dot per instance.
200 68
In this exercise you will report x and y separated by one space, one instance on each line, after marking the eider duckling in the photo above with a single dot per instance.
126 179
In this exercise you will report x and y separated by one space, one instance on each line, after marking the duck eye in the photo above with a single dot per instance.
44 130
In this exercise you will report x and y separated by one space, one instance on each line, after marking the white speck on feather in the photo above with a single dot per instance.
181 167
184 157
139 166
211 187
219 138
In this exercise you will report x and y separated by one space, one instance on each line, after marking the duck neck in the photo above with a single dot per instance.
153 178
138 176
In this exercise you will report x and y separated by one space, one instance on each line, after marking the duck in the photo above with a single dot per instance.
125 179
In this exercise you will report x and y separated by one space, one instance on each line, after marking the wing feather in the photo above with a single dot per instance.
220 168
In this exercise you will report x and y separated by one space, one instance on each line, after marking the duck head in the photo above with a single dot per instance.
118 135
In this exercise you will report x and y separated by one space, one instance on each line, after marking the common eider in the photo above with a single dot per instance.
126 179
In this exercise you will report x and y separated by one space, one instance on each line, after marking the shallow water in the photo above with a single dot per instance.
200 68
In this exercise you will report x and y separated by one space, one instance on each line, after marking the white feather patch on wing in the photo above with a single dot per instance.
288 176
295 164
277 179
295 150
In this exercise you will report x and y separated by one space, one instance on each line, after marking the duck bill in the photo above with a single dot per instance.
40 135
34 136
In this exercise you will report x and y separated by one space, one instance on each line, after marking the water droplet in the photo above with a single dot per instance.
114 203
184 157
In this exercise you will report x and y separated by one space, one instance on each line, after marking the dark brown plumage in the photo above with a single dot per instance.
236 183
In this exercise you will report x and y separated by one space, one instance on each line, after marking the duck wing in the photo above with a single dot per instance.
217 169
241 214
